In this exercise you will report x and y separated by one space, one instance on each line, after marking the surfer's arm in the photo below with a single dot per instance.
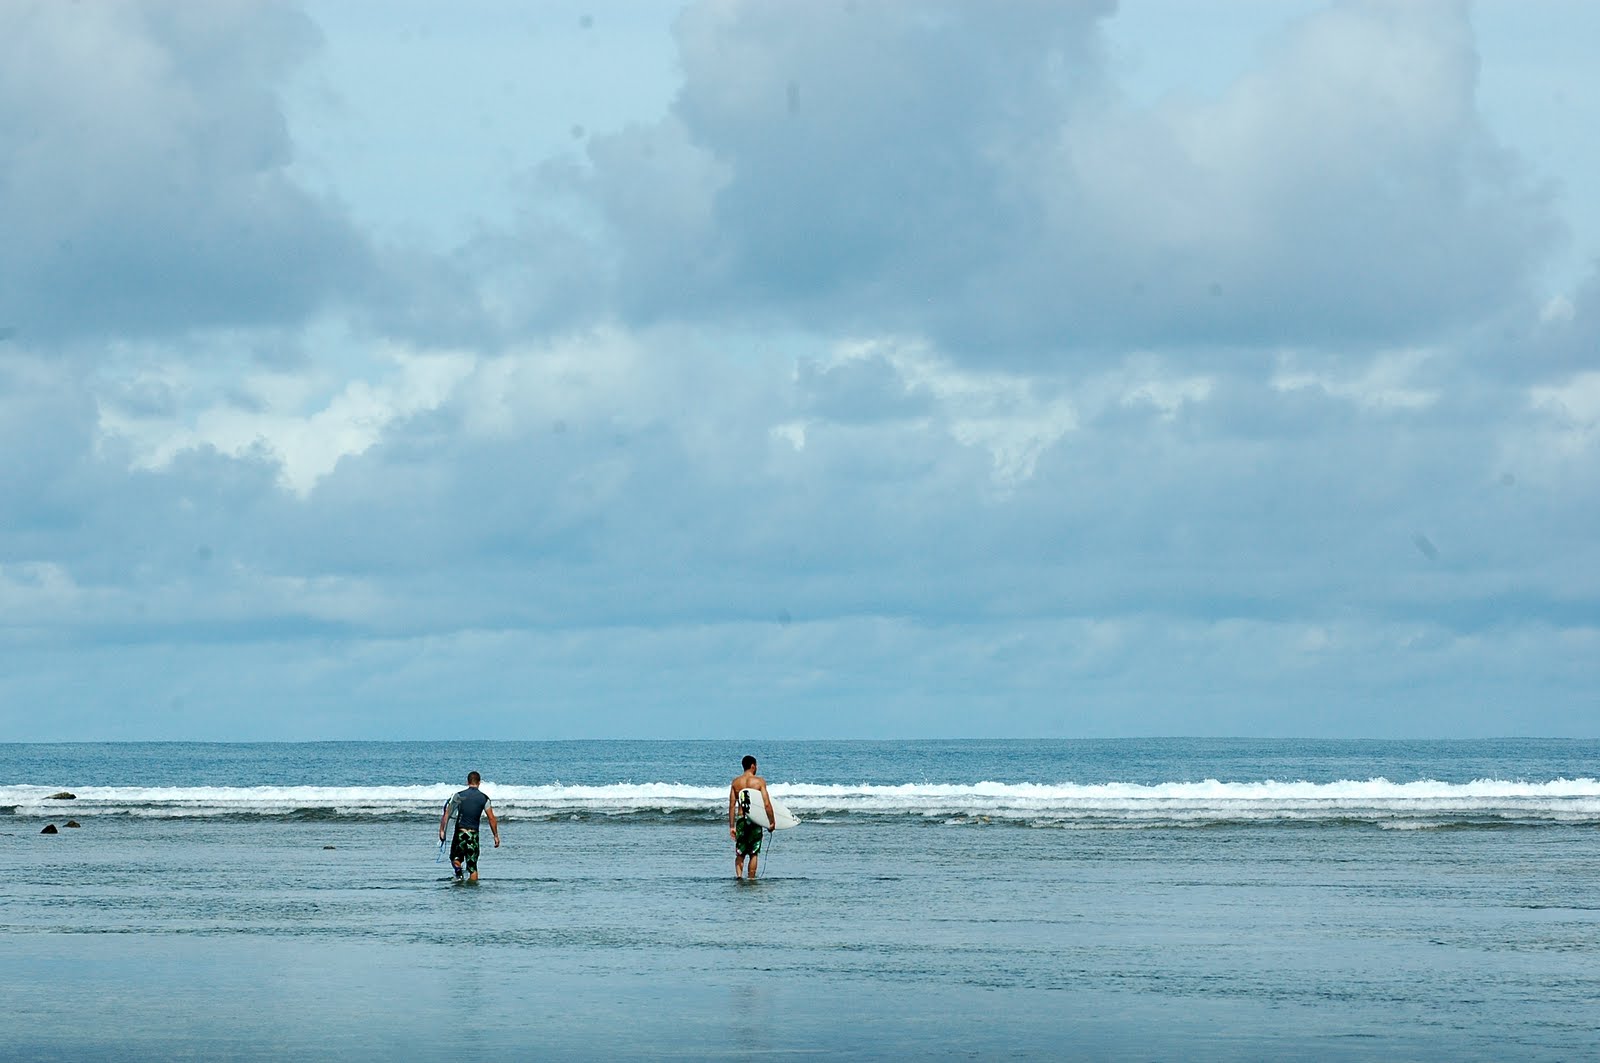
444 820
772 819
494 824
733 804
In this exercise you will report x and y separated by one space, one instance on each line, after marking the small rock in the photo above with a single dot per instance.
49 828
73 823
330 846
62 796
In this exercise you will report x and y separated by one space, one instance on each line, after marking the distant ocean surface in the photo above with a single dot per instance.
1150 899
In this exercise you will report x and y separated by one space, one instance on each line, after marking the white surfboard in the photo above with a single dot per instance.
758 812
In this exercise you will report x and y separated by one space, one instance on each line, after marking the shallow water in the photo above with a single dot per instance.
872 934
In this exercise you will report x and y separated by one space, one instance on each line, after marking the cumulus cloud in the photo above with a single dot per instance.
1346 189
1012 418
1387 383
903 366
281 417
1566 337
143 162
973 176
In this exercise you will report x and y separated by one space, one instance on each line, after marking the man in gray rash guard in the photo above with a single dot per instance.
468 806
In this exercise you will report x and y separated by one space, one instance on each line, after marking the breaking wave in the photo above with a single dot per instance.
1424 804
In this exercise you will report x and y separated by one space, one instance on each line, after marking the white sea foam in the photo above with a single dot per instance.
1422 803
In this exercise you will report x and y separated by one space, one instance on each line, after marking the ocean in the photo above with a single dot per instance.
1117 900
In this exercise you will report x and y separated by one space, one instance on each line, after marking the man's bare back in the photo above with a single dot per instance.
747 842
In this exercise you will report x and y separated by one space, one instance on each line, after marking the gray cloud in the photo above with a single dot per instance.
971 174
1566 339
959 514
630 511
596 541
143 162
46 427
867 389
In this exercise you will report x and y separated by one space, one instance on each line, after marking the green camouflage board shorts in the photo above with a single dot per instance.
464 849
747 837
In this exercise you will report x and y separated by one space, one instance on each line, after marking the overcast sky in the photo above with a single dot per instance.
829 369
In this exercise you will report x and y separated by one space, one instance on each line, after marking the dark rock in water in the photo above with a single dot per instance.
49 828
62 796
73 823
329 847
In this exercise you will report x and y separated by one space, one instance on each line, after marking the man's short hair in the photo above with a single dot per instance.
748 762
473 778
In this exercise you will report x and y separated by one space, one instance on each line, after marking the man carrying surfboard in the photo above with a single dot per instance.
468 806
744 830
